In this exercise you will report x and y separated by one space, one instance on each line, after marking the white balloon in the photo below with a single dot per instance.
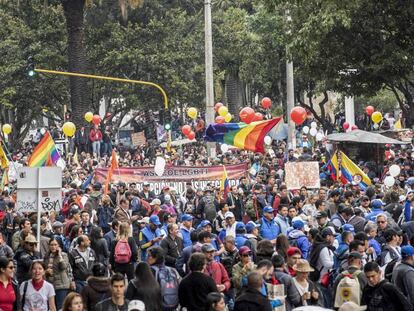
319 136
224 148
313 131
314 125
42 131
395 170
305 129
268 140
159 166
389 181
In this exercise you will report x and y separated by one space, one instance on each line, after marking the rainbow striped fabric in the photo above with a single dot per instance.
45 153
241 135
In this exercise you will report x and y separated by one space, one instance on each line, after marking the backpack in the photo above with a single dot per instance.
122 252
168 280
210 212
348 289
251 208
389 268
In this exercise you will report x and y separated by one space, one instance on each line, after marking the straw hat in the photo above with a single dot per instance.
303 265
30 239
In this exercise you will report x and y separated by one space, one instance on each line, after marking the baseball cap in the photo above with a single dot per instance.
298 224
74 210
57 224
155 202
145 184
205 223
407 251
144 220
186 217
228 215
355 255
364 198
97 186
251 225
321 214
327 231
292 251
268 209
244 250
155 220
377 203
207 248
240 226
137 305
348 228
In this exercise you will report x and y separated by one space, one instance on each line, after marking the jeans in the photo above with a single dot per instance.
60 297
80 285
96 148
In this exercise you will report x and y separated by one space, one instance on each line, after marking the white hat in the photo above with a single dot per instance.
351 306
136 305
228 215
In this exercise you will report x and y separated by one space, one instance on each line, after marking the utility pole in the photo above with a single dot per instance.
208 37
290 94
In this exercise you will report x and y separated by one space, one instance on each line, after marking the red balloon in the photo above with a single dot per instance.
220 119
186 129
266 102
345 126
298 115
369 110
217 106
96 119
258 117
191 135
247 115
354 127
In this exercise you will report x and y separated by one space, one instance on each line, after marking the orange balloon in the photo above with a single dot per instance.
247 115
191 135
217 106
298 115
186 129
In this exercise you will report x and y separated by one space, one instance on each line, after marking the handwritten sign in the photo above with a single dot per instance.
138 139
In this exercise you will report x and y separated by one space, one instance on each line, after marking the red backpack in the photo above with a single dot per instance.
122 252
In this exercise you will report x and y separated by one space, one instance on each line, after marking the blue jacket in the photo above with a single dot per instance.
341 255
283 223
375 245
298 239
185 233
407 211
148 235
240 240
373 215
269 230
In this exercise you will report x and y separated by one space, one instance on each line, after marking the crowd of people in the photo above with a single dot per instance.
258 247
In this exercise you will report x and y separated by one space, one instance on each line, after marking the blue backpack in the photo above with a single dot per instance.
167 277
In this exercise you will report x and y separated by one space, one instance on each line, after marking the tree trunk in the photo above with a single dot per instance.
74 13
234 93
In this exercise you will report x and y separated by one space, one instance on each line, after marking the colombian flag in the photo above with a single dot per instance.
333 167
224 184
350 172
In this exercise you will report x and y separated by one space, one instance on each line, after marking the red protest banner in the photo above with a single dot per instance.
174 176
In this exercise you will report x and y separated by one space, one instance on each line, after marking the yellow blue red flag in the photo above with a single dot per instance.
351 173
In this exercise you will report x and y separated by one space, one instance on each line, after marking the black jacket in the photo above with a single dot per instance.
24 261
173 249
81 269
134 253
252 300
193 291
384 297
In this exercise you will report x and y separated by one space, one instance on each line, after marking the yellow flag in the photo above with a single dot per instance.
397 125
4 162
75 157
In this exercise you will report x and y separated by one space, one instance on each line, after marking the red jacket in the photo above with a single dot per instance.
95 135
219 274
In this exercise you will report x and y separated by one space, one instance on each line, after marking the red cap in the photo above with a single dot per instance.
293 250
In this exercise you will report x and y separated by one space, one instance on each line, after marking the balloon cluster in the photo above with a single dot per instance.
188 132
313 131
223 113
90 117
394 171
376 116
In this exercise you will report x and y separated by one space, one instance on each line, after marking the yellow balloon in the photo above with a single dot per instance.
223 111
69 129
376 117
228 117
7 129
88 116
192 112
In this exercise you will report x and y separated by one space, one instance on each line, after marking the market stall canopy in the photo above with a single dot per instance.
359 136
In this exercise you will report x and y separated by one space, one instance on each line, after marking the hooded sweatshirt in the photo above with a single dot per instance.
97 289
299 239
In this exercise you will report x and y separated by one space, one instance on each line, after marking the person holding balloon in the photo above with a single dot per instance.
95 136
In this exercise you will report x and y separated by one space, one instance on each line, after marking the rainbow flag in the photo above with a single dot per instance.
45 153
224 184
333 167
241 135
351 173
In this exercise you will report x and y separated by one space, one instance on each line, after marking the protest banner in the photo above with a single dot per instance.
299 174
138 139
174 176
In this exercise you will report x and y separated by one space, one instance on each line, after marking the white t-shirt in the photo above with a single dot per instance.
37 300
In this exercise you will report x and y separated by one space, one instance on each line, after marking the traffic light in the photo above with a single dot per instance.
30 68
167 120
